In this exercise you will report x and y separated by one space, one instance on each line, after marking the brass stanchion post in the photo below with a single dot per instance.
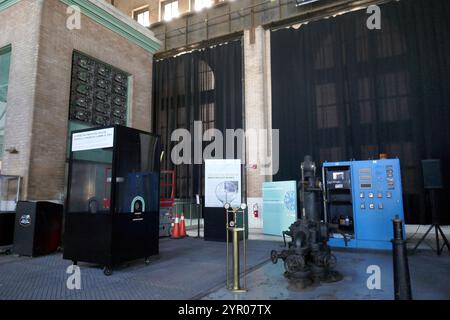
232 226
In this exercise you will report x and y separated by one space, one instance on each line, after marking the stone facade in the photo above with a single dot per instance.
39 90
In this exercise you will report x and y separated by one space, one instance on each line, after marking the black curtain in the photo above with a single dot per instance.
202 85
342 91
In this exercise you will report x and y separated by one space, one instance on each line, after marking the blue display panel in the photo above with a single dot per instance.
280 206
363 197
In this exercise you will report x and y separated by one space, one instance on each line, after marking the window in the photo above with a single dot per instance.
5 59
142 15
170 9
201 4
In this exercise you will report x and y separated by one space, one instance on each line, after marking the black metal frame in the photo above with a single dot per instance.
436 226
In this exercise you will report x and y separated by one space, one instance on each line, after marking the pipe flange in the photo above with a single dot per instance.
294 263
330 261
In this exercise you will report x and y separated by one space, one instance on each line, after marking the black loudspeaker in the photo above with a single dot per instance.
432 174
38 228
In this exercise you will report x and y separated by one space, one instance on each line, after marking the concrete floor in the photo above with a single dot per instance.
429 273
185 269
195 269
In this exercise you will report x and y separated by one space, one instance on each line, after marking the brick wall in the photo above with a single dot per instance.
19 27
39 95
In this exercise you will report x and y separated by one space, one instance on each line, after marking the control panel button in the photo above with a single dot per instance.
371 195
380 206
389 195
372 206
363 206
389 171
362 195
380 195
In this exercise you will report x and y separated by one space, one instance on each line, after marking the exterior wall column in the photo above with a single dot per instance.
257 115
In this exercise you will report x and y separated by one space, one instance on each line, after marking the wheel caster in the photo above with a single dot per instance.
147 261
107 271
274 257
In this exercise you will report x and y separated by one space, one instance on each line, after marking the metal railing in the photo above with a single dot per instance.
192 212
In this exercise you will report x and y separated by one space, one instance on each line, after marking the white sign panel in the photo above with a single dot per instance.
91 140
222 183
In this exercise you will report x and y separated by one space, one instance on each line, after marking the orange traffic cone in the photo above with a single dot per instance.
176 228
182 227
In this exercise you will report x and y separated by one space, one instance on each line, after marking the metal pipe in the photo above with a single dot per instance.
236 273
198 219
19 180
325 196
228 250
190 214
402 281
236 264
244 215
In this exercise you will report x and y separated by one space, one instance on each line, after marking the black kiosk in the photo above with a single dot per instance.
112 211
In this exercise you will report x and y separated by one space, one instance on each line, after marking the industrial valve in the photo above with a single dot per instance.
307 257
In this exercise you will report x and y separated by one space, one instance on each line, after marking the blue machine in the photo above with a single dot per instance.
363 197
280 206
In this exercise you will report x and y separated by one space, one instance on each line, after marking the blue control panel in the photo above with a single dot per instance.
363 197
